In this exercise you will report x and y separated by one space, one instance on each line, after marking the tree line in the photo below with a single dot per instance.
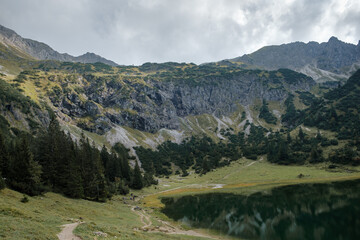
53 161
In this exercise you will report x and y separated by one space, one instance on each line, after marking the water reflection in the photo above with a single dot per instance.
307 211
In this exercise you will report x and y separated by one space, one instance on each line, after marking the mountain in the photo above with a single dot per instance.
150 104
41 51
169 118
332 60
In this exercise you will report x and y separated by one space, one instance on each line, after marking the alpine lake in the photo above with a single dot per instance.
302 211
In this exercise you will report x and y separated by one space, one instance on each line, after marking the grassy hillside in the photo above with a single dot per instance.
42 216
246 176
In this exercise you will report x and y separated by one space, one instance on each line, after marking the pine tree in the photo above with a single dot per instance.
123 155
104 155
315 155
4 158
92 171
283 153
301 134
288 138
318 136
49 152
2 182
73 182
25 172
137 182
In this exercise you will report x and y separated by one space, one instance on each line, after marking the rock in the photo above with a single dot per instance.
100 234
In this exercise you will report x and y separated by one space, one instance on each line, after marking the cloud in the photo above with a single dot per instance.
134 32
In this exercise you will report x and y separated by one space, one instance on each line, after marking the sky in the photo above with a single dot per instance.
138 31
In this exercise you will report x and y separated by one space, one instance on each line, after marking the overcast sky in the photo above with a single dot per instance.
138 31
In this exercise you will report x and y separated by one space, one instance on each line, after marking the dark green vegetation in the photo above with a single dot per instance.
339 111
304 211
266 114
203 154
52 161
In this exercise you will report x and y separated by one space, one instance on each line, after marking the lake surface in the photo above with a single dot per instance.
306 211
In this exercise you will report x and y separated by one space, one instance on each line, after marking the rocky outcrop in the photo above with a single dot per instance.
155 104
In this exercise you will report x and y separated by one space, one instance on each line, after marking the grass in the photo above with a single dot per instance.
42 217
246 176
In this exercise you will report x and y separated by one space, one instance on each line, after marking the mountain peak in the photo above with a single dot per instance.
42 51
333 56
334 39
6 31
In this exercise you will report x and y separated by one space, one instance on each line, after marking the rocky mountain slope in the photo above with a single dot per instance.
141 106
152 103
332 60
41 51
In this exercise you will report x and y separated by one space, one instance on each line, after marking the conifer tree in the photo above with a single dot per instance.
301 134
72 184
288 138
137 182
49 152
25 172
92 171
123 155
315 155
2 182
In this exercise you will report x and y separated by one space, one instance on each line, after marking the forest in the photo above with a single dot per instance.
52 161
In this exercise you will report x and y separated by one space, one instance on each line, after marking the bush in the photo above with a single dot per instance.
24 199
123 189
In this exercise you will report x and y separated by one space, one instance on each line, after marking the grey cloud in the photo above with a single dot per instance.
134 32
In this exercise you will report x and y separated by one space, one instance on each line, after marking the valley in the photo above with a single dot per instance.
106 149
118 221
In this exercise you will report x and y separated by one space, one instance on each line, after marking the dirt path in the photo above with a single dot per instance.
165 227
143 216
67 232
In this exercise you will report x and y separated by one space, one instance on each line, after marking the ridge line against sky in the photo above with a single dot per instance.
137 31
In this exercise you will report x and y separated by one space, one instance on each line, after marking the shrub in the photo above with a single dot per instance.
25 199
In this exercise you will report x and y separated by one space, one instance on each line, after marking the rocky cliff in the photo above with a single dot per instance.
151 103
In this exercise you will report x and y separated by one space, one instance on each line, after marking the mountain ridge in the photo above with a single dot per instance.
42 51
332 60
